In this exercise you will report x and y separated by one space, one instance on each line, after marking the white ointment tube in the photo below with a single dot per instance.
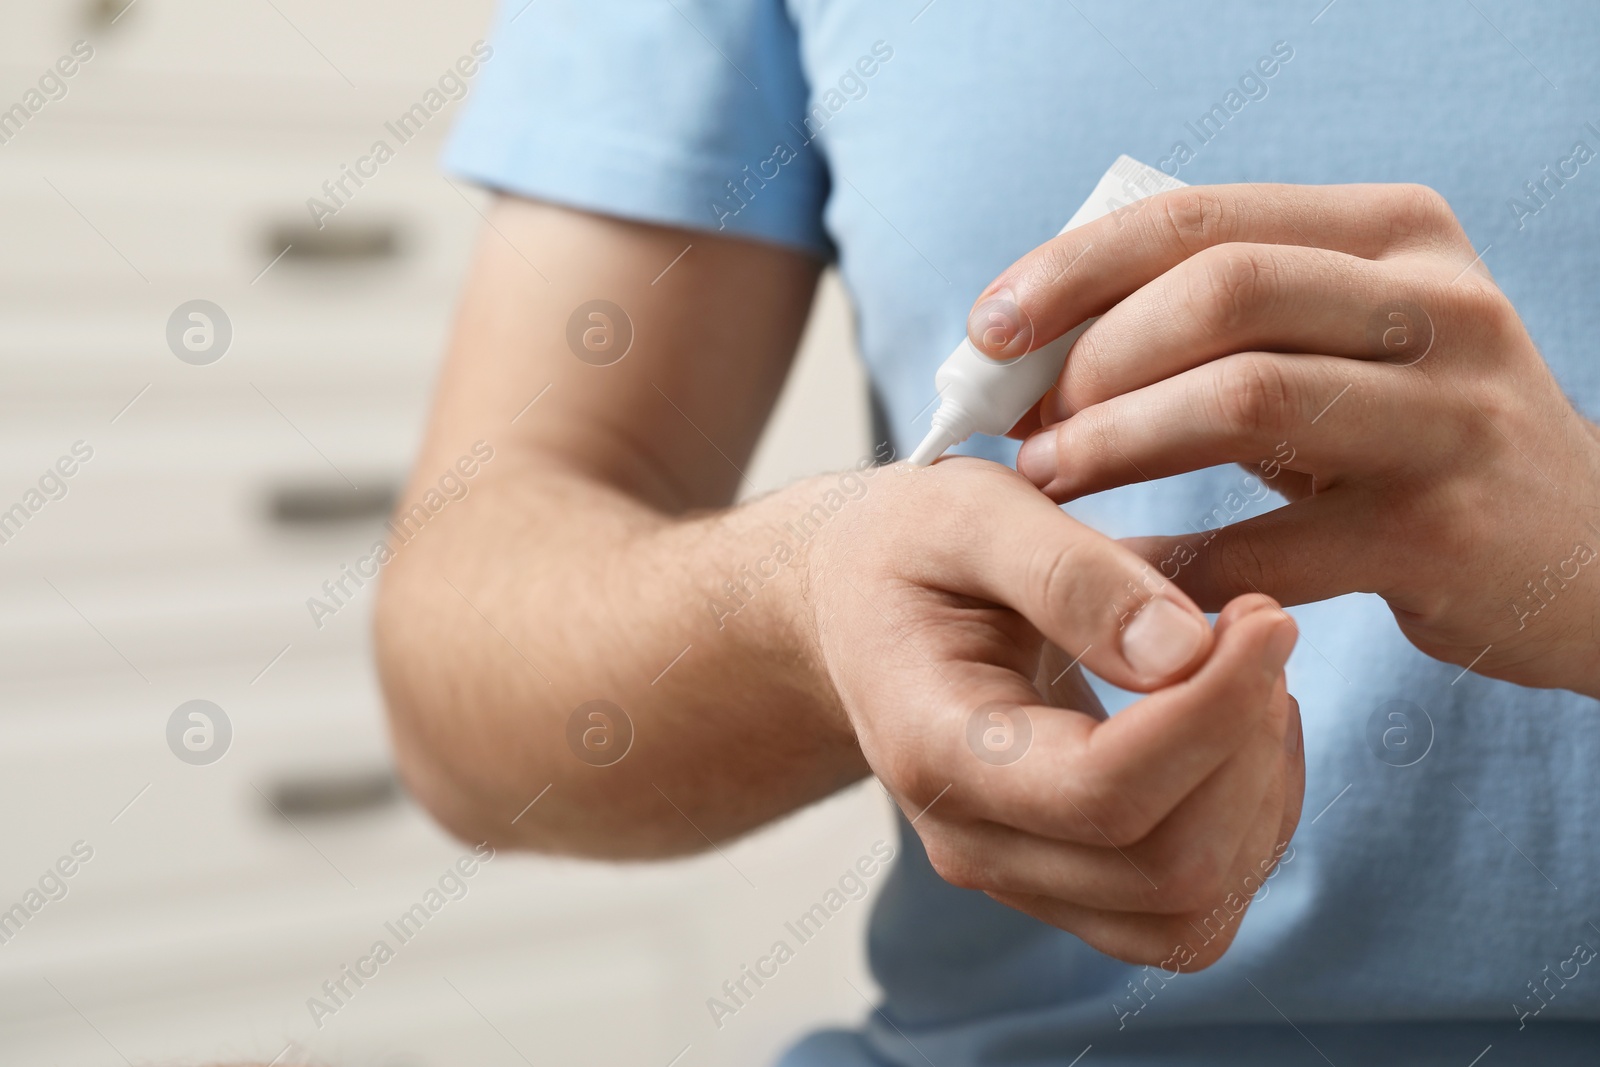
982 395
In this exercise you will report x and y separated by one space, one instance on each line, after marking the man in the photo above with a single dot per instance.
1071 881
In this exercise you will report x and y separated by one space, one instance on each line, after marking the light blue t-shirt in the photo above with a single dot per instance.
1443 892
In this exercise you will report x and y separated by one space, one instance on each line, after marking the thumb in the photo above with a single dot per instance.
1083 591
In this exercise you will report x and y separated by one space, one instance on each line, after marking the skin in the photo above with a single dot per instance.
1427 453
584 562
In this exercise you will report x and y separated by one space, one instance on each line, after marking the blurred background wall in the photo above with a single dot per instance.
190 875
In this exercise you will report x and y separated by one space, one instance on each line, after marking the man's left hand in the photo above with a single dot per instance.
1346 345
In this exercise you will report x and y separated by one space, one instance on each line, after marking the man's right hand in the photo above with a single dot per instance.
935 602
581 566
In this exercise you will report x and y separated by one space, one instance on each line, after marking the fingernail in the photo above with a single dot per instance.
1280 644
1053 408
999 327
1162 639
1291 736
1036 460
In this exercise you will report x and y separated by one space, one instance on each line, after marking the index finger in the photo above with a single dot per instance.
1086 270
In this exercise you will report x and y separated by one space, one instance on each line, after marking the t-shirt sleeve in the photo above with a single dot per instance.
680 112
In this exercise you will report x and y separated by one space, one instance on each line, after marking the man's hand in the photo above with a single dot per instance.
1345 345
759 656
939 599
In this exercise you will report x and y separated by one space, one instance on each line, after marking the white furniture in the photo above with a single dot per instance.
178 563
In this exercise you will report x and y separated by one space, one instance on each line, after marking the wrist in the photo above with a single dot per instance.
766 573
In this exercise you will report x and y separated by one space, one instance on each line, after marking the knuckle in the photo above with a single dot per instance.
1419 211
954 861
1110 813
1123 826
1172 944
896 773
1088 370
1230 286
1472 439
1154 947
1195 218
1088 440
1479 303
1241 557
1252 395
1055 259
905 771
1193 879
1061 571
1206 950
1245 564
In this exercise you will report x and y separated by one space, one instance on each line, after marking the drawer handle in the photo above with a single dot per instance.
327 504
103 14
335 795
344 243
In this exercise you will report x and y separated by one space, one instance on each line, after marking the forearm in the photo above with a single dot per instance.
545 590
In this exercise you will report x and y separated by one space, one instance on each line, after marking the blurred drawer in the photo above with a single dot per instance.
200 890
182 220
179 215
329 46
281 484
294 804
80 324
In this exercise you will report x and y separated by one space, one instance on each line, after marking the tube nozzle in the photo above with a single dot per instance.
933 446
